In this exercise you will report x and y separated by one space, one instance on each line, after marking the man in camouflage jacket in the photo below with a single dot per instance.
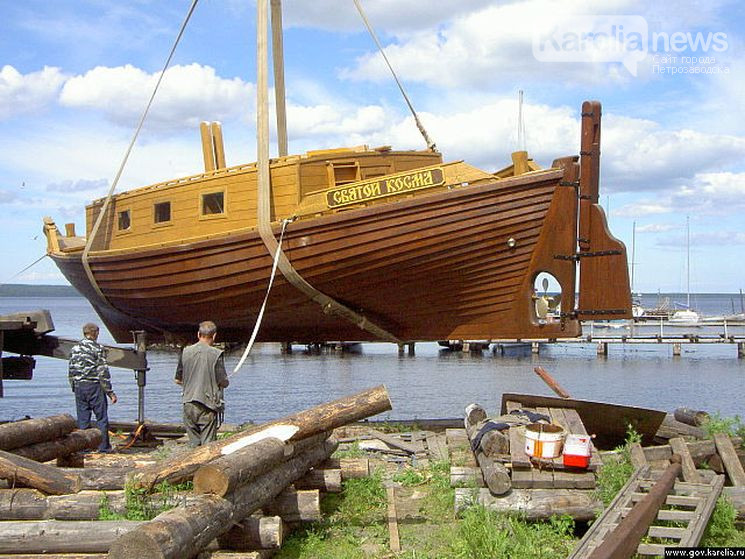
91 382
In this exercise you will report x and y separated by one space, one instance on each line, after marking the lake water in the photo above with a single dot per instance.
434 383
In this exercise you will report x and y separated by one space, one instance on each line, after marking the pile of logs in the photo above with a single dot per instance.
249 489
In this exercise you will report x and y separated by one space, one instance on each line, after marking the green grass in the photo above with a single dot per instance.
353 451
731 426
484 534
616 470
721 530
139 505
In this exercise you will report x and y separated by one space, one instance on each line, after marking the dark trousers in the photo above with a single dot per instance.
200 422
90 397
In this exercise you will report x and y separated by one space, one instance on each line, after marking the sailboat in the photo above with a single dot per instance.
366 243
686 316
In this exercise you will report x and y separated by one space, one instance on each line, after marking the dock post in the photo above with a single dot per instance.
140 343
466 347
412 348
401 348
741 350
285 348
535 348
676 349
602 349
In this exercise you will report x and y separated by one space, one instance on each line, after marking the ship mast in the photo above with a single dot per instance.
279 76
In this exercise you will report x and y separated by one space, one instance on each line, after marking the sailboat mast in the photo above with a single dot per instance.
633 256
688 262
279 76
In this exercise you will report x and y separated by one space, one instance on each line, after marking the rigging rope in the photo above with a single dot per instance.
430 144
105 206
34 263
260 316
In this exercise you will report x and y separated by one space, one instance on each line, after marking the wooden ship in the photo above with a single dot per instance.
376 244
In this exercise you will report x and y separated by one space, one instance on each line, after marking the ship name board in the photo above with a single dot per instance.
389 186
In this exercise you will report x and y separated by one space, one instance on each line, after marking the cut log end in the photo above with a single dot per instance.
210 479
135 546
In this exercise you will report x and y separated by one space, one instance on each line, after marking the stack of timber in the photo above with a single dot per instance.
249 489
47 438
249 472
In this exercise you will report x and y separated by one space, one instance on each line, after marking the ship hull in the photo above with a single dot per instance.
453 265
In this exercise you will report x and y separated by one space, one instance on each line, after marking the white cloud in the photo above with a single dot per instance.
187 95
23 93
384 15
7 196
98 185
656 228
644 207
642 155
489 46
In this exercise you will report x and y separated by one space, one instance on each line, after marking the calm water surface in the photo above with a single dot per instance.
433 383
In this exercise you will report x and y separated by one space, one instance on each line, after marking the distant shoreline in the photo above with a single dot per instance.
28 290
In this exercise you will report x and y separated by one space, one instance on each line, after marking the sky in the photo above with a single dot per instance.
75 76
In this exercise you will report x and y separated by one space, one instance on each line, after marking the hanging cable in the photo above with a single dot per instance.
430 144
260 316
105 206
34 263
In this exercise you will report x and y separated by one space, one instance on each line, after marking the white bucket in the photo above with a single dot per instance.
543 440
577 451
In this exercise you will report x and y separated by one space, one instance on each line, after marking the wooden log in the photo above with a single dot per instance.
177 533
74 460
496 476
691 417
351 468
535 504
319 419
22 471
54 556
32 431
258 554
53 536
671 427
100 479
223 475
325 480
182 531
22 504
64 446
253 533
295 506
475 414
551 382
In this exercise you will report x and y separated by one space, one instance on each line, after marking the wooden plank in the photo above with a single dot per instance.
638 458
651 549
395 541
520 460
672 500
679 447
666 532
730 460
436 446
522 479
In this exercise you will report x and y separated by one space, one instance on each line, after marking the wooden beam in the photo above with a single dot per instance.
69 444
313 421
731 462
20 470
54 536
27 432
680 448
395 541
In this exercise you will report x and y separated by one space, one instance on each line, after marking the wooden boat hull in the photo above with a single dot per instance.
431 267
607 422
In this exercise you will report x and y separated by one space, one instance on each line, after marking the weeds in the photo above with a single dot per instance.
139 505
617 470
484 534
731 426
721 530
353 451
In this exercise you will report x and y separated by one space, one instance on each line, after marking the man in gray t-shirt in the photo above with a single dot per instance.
201 373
